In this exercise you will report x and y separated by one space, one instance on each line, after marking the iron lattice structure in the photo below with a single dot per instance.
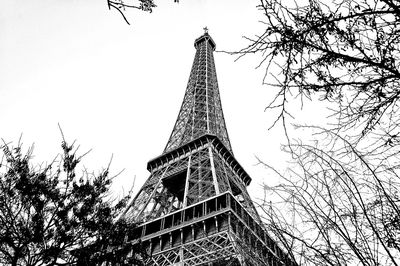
194 208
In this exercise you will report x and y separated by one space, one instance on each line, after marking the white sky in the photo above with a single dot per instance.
117 89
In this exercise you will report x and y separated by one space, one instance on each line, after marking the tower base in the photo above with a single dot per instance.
217 231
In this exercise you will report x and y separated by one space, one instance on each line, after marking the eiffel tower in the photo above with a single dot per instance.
194 208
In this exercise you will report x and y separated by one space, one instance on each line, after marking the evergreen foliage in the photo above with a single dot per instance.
51 215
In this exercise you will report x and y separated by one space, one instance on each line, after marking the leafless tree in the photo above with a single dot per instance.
122 5
339 203
336 206
344 51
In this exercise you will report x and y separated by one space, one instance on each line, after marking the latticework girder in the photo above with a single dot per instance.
199 252
201 110
215 229
193 177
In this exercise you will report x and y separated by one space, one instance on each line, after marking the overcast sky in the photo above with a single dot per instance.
117 89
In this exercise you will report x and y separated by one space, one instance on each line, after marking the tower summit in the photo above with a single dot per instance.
201 111
194 208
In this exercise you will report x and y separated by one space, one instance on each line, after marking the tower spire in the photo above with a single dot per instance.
201 110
